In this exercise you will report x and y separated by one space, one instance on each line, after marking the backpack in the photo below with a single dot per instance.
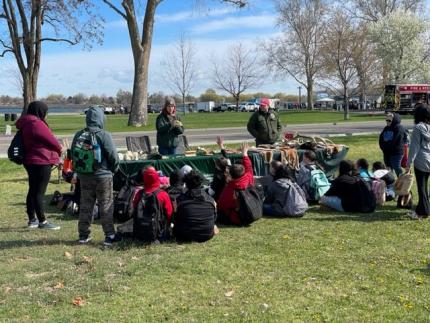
403 184
16 151
378 189
250 205
84 152
150 222
123 203
295 203
319 184
365 197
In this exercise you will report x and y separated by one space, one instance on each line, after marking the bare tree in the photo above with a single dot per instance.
141 46
29 24
297 52
338 53
238 72
181 69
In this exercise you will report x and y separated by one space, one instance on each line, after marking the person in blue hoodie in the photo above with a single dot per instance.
95 160
391 141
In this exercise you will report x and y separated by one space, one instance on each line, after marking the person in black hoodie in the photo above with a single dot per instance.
346 194
391 141
196 212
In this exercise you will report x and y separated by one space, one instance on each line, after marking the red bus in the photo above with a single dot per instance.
403 97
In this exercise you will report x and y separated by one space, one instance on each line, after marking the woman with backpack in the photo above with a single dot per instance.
392 141
419 156
42 151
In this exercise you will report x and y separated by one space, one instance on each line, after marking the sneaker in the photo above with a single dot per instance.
48 226
413 215
84 239
33 224
110 241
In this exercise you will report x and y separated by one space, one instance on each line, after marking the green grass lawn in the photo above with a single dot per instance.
322 267
67 124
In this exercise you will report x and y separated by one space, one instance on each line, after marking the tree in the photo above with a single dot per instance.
338 52
32 23
239 71
180 66
402 44
210 95
374 10
141 47
297 51
124 97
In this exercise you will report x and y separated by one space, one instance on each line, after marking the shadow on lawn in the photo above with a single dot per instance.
14 244
14 180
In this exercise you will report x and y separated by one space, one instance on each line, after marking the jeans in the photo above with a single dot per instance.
167 150
38 179
394 162
423 206
102 190
333 202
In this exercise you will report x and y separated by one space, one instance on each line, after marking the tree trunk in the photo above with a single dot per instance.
28 91
139 97
346 102
310 98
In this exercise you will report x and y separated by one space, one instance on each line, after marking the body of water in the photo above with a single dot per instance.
52 109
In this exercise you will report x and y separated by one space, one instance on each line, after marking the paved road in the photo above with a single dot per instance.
207 136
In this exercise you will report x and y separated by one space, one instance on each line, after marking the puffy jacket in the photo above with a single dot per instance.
393 138
167 134
95 120
419 150
227 203
41 147
264 127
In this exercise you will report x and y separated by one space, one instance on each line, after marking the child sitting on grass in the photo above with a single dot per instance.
362 166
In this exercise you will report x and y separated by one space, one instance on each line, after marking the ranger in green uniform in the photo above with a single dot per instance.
169 127
264 124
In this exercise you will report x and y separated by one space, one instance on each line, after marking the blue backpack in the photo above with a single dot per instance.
319 184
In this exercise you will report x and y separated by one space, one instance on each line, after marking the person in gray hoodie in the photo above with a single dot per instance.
96 180
419 156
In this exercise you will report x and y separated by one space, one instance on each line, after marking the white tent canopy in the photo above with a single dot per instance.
326 100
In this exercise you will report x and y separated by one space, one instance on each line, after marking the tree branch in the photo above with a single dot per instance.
6 51
71 42
115 8
239 3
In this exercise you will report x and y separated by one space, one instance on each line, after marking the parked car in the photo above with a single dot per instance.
107 110
248 107
224 107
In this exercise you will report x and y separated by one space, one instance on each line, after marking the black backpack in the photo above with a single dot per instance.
123 203
16 151
365 197
250 205
150 222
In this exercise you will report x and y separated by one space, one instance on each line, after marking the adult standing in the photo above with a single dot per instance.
391 141
419 156
264 124
169 127
42 150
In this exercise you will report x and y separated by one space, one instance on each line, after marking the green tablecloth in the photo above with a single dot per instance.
206 164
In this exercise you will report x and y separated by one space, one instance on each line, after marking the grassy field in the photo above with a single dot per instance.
323 267
66 124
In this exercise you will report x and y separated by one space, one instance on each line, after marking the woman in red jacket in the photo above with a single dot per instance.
241 177
42 150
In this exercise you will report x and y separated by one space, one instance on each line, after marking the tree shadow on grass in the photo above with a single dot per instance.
14 180
425 271
15 244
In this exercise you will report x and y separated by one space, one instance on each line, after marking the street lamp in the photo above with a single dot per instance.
300 97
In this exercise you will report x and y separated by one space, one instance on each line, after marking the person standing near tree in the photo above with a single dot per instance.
391 141
169 127
264 124
42 150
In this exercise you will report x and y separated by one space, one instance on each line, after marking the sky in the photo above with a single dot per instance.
211 26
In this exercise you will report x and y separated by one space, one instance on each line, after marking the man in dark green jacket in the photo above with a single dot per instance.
169 127
264 124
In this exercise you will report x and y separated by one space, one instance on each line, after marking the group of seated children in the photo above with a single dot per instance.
189 211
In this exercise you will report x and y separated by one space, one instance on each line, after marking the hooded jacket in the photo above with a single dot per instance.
151 182
264 127
227 202
95 120
167 134
393 138
419 150
41 147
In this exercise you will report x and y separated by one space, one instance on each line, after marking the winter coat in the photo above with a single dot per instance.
227 202
419 150
95 120
195 216
277 195
167 134
264 127
41 147
393 138
344 187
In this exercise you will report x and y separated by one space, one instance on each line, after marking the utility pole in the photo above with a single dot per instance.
300 97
